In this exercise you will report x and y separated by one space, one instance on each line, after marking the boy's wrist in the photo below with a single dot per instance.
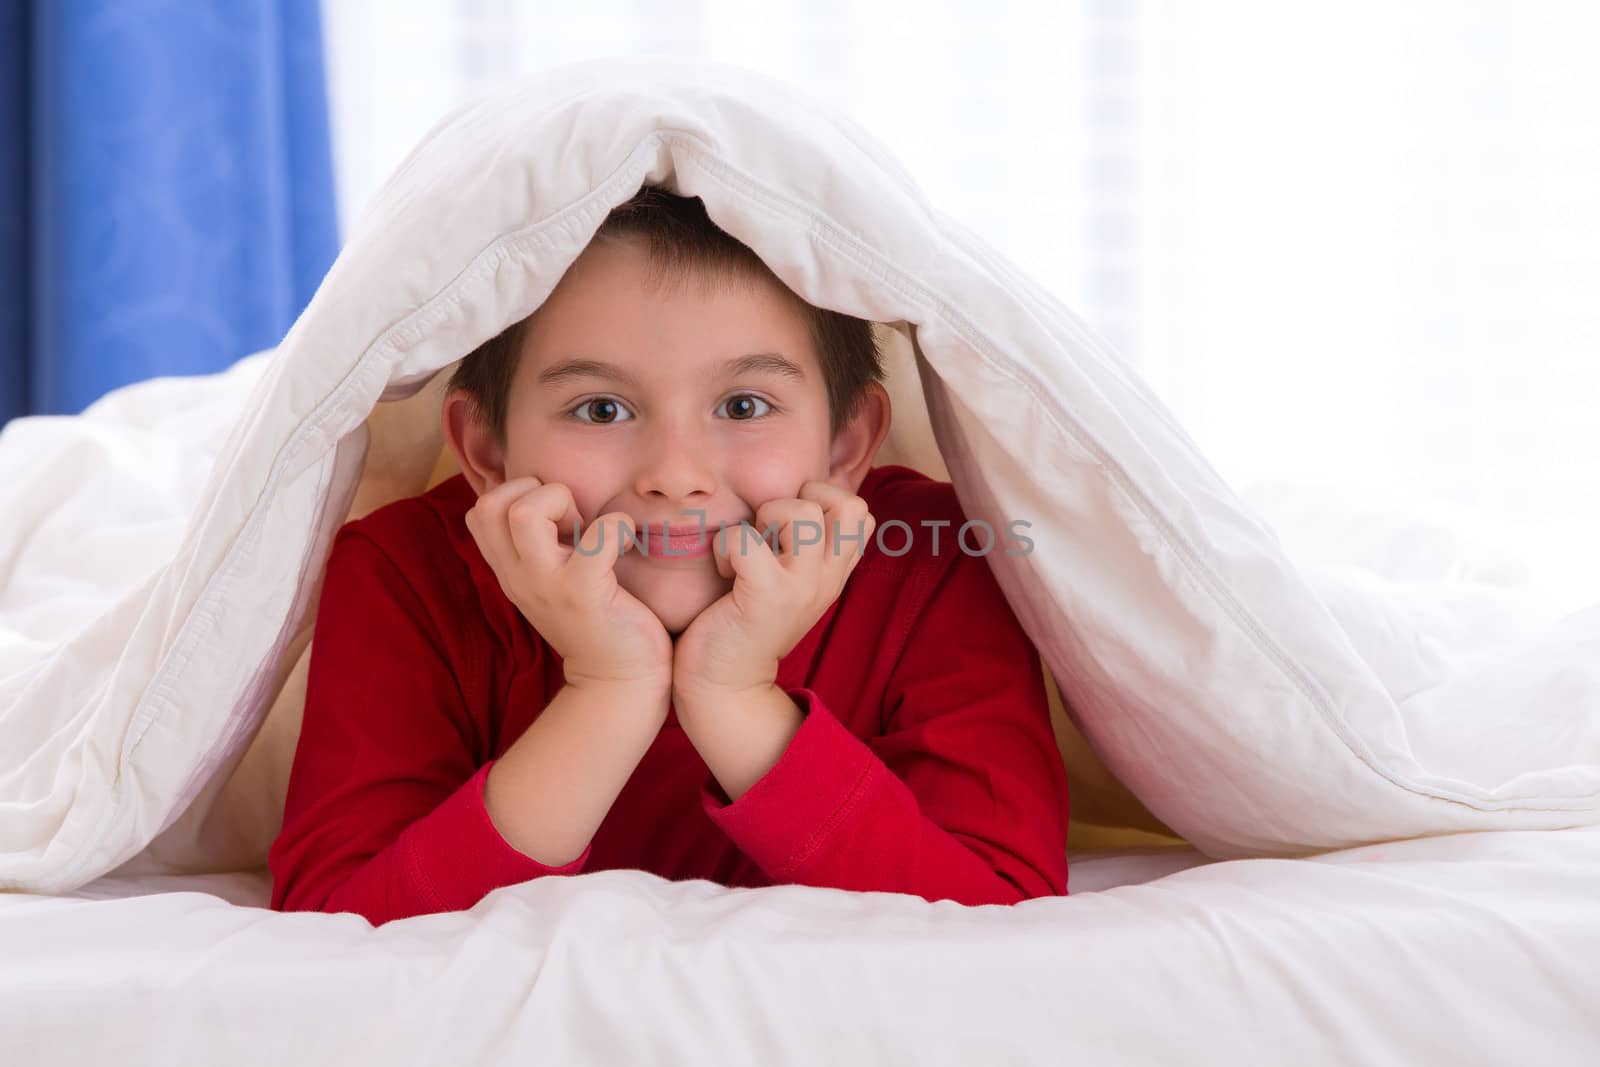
756 678
713 695
631 688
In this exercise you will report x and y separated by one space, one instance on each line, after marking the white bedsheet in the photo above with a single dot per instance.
1468 949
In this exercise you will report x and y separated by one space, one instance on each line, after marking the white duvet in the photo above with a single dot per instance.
159 558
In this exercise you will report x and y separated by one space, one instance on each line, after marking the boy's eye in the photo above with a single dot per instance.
605 411
742 408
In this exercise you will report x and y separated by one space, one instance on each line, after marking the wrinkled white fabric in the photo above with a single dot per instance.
1471 949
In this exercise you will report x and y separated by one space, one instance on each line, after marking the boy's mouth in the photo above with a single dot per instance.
675 542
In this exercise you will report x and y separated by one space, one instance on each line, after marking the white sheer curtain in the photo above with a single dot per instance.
1354 246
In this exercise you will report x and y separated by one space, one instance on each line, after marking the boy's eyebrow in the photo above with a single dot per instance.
755 363
569 369
764 363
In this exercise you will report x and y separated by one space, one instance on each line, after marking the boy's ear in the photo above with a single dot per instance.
858 440
480 456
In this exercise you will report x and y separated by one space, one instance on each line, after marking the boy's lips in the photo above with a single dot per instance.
690 541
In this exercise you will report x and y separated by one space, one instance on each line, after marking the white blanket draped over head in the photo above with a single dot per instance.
153 601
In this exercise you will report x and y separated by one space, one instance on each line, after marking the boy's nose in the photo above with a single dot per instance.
675 464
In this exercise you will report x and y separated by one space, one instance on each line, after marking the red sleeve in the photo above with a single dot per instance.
964 795
385 814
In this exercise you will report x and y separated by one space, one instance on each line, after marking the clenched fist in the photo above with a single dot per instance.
603 633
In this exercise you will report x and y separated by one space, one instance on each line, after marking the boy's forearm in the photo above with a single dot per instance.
553 787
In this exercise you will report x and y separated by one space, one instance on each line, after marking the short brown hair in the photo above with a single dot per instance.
681 239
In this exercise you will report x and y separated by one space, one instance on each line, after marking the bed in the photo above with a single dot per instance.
1323 813
1466 949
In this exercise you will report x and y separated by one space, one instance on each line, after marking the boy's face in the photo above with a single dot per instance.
660 424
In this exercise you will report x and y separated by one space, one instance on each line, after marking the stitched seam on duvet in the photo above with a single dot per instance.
158 696
201 775
1063 317
838 238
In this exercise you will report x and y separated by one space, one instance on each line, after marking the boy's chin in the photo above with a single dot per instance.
680 612
677 599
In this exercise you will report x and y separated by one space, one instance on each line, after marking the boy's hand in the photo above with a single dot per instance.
603 633
734 645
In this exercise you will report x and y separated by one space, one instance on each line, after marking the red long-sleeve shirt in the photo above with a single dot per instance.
925 762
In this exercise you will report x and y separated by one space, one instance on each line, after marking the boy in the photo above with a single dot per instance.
652 625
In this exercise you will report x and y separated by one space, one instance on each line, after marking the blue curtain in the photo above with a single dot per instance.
166 189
